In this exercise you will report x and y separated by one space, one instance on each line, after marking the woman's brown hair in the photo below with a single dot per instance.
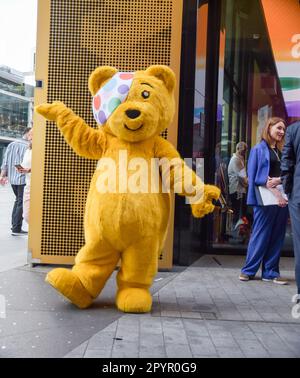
265 135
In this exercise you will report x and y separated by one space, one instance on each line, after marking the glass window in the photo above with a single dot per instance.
200 75
13 115
248 94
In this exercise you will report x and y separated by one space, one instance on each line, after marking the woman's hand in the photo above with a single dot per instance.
282 202
273 182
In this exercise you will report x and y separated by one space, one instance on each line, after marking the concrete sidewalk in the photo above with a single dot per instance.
206 312
202 311
13 249
199 311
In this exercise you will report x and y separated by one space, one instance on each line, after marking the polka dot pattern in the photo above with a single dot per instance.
123 89
113 104
111 95
97 102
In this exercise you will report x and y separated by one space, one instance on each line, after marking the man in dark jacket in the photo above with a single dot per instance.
290 176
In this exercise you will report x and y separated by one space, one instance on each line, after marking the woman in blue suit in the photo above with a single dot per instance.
269 225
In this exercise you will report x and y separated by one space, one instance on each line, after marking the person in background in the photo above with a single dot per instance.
238 180
290 176
220 177
270 222
221 181
26 169
13 156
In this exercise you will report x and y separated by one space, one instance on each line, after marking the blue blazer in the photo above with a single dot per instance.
258 170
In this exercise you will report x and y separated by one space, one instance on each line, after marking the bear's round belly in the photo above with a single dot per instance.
127 217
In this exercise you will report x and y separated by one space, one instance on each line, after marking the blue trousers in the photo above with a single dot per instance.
267 238
295 218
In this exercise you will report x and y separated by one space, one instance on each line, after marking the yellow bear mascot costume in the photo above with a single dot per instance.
122 225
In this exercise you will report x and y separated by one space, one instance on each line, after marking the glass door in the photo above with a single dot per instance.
248 93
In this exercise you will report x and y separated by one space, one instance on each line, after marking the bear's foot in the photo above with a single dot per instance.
69 285
134 300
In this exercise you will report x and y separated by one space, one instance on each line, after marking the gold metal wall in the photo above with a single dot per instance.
75 37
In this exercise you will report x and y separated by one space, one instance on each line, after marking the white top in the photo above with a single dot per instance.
26 163
236 173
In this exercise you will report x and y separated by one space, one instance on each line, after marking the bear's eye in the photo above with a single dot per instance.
145 94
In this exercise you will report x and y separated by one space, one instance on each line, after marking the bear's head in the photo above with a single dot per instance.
148 108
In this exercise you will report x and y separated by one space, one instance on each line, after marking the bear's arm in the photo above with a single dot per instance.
84 140
182 179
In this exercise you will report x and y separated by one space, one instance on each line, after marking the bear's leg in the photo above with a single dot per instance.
93 265
138 269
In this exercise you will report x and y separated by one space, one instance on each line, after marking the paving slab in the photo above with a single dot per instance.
201 311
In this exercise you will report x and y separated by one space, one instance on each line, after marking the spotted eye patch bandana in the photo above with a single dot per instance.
111 95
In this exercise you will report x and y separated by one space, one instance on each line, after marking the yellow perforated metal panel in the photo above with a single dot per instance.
75 37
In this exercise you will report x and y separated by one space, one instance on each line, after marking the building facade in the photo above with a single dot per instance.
235 68
16 106
240 65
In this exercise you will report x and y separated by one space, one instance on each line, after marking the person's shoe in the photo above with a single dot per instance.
267 279
277 280
19 233
244 277
280 281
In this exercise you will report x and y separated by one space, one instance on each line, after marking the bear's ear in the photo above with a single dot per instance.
99 76
163 73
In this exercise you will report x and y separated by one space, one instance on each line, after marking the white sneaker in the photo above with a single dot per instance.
277 280
280 281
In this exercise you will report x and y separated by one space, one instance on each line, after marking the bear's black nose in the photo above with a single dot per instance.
132 113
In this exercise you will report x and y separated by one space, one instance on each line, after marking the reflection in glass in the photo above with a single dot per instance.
249 92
